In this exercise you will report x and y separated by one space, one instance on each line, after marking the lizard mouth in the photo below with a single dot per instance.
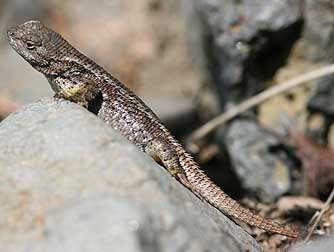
11 37
34 63
41 65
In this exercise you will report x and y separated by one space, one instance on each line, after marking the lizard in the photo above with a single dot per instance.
77 78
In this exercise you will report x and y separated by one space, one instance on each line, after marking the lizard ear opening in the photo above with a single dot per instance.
30 45
95 104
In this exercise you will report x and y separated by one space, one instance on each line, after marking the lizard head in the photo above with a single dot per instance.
32 40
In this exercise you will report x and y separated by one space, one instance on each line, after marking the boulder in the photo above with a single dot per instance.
241 43
71 183
259 163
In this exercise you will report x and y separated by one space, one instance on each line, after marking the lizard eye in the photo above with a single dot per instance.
30 45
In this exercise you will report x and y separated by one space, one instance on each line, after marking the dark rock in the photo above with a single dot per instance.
242 43
321 102
71 183
319 30
322 97
262 171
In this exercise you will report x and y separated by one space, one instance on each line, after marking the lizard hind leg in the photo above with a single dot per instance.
160 150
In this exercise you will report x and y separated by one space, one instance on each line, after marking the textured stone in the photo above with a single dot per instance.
321 103
319 30
262 173
322 97
241 43
70 183
323 245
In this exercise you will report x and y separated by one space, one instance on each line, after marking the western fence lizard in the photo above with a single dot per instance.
77 78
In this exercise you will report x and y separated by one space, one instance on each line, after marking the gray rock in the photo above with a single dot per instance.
319 30
321 102
262 172
323 245
322 96
70 183
242 43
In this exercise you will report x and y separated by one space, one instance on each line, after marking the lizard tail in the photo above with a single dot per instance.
203 186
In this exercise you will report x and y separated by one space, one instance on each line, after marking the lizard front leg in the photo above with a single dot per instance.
79 89
160 150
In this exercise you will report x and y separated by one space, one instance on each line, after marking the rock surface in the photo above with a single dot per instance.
242 43
322 97
323 245
321 103
71 183
319 30
262 172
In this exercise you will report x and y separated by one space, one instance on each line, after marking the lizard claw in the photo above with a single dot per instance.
183 179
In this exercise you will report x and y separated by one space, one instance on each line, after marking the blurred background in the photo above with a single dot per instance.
191 60
141 42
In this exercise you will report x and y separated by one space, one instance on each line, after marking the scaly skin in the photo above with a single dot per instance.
77 78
